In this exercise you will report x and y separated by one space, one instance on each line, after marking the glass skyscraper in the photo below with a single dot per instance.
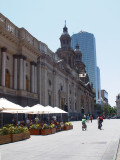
98 85
87 45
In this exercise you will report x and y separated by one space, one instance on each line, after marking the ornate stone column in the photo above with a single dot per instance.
39 78
24 72
35 78
68 95
44 92
3 50
32 76
15 71
54 88
21 73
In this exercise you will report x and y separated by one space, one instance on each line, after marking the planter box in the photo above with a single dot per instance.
71 127
58 127
66 127
5 139
46 131
53 130
17 137
26 135
34 131
62 128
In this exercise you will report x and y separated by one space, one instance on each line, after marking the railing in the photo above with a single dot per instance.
8 25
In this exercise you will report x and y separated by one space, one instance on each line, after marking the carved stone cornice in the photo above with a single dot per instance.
15 56
4 49
8 35
22 57
33 63
29 46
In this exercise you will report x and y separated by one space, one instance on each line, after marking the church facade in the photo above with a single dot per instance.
31 73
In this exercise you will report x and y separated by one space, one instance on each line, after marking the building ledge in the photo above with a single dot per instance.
19 93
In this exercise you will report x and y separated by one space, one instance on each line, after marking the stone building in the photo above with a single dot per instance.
118 104
31 73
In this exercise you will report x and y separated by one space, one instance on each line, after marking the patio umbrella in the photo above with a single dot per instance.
1 108
36 109
7 105
58 110
14 112
49 109
27 107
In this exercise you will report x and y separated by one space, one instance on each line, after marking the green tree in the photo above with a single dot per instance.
109 111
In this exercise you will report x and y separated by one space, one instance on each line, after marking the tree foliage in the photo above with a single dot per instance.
109 111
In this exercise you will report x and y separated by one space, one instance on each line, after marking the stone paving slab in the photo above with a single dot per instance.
76 144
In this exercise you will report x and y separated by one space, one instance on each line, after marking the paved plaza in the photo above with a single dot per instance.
75 144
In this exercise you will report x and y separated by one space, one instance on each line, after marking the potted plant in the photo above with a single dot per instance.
19 133
58 125
66 126
5 137
46 129
70 125
16 133
35 129
26 133
53 128
9 133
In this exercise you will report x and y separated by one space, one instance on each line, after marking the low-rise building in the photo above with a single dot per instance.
118 104
104 97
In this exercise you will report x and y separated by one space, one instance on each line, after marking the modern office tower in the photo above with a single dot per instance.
86 42
98 85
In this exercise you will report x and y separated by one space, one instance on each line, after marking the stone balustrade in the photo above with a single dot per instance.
23 34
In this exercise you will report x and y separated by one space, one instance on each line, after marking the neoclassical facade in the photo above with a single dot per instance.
31 73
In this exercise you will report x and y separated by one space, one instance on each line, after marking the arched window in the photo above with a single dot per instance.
49 98
69 61
7 78
82 101
75 106
27 84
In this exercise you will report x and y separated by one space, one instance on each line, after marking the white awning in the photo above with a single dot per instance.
7 105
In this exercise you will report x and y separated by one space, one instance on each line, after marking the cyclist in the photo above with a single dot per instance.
100 120
84 126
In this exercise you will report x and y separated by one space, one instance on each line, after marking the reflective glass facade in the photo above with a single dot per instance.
99 85
87 46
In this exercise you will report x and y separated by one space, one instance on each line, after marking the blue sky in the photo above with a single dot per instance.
44 19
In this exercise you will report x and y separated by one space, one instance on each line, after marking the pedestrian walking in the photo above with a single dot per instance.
91 118
100 120
88 117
